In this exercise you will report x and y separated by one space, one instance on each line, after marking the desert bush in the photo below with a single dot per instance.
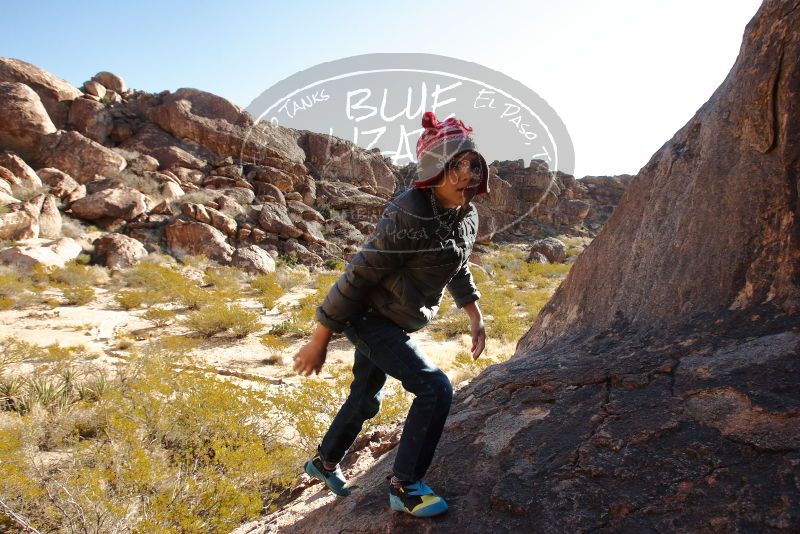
199 262
16 350
219 317
154 276
268 288
154 282
290 326
302 316
157 451
77 274
273 342
78 295
224 278
290 277
335 264
449 325
135 298
15 291
174 347
72 227
288 259
159 316
324 281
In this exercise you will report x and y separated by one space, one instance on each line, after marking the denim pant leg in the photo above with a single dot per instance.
363 402
391 349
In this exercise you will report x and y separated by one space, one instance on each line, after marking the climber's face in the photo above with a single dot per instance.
461 177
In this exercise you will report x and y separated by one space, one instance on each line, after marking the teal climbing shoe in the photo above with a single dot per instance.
333 479
416 498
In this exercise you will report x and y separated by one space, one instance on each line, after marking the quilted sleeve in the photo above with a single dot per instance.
387 249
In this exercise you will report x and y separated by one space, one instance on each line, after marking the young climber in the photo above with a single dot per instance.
394 286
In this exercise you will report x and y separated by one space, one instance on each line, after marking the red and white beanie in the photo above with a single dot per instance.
439 143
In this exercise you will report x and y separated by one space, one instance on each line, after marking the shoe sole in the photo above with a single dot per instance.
312 470
429 511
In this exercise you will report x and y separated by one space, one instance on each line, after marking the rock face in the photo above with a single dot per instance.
659 389
109 80
697 230
223 128
55 93
604 194
117 251
253 259
341 160
551 248
49 253
80 157
196 238
273 218
23 120
91 118
115 202
24 176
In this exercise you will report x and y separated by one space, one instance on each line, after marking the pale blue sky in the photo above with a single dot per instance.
624 75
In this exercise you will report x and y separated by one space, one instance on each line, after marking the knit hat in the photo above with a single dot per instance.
439 143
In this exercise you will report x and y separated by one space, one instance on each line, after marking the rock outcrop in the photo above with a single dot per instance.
56 94
23 120
223 128
134 163
117 251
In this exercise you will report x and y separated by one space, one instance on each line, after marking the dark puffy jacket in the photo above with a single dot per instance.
406 264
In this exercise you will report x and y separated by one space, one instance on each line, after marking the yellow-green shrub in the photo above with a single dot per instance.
221 317
77 275
164 450
268 288
78 295
223 277
14 290
273 342
159 316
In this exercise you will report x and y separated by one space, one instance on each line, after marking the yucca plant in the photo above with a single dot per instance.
11 391
46 392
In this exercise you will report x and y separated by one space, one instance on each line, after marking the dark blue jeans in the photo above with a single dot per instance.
383 348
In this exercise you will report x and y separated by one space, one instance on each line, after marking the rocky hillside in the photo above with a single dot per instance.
190 173
659 389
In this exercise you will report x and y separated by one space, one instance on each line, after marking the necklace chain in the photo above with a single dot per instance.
447 227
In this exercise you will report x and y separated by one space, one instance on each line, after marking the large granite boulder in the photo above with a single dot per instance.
118 251
253 259
80 157
48 253
223 128
54 92
273 218
197 239
23 120
120 202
